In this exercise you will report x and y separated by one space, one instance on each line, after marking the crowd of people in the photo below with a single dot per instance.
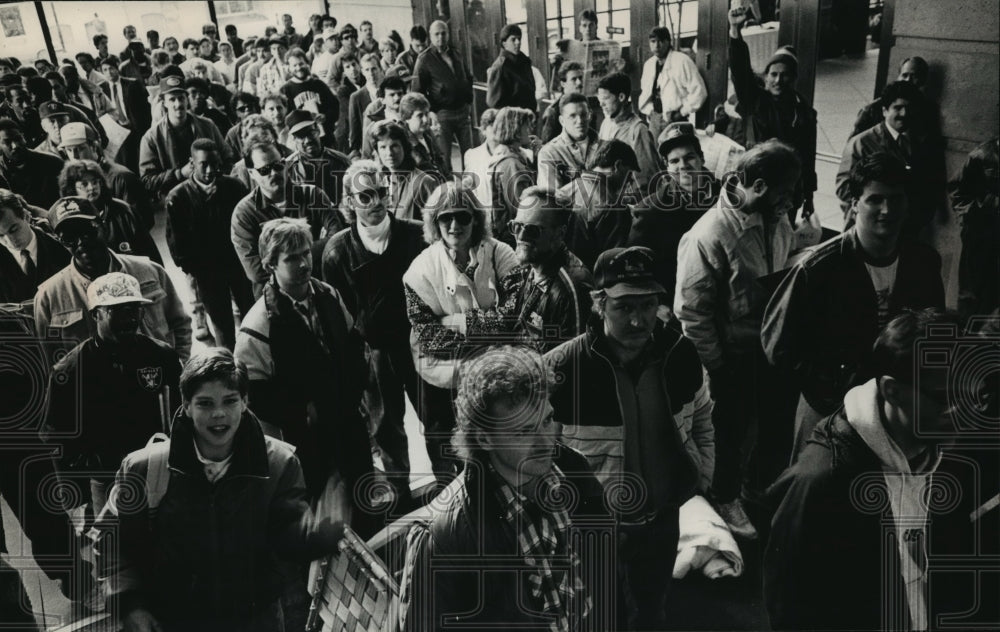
592 329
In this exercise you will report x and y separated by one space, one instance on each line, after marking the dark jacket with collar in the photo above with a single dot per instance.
162 155
326 172
136 97
372 285
831 560
198 227
468 534
209 556
314 391
510 82
588 401
556 315
37 180
446 87
822 321
356 106
15 286
104 401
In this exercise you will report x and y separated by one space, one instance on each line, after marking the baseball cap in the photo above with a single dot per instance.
171 84
329 32
73 134
625 271
114 288
298 120
679 133
71 208
52 108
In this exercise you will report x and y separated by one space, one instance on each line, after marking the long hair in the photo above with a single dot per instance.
453 196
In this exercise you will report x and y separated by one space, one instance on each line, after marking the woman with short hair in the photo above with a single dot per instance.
510 170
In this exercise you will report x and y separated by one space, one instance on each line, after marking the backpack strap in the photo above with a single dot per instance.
158 474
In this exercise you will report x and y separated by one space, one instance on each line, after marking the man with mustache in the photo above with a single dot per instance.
848 289
305 91
630 396
312 163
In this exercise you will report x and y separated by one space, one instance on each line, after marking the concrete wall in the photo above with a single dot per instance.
960 39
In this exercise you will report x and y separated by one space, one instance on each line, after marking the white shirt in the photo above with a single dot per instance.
680 85
375 238
32 249
883 278
214 470
227 70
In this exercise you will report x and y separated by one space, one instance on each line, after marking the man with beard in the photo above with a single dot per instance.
118 370
548 294
60 304
199 212
305 92
165 151
676 202
365 263
312 163
31 174
198 93
274 195
564 157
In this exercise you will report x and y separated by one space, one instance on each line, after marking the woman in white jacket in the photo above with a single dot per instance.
449 286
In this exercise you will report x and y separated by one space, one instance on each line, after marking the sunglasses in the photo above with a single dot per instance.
132 309
526 231
71 238
266 170
462 218
366 197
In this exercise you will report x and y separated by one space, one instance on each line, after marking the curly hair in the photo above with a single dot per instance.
514 375
452 196
76 170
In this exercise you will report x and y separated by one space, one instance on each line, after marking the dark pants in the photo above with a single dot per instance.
753 419
979 263
215 291
457 124
646 556
391 372
437 414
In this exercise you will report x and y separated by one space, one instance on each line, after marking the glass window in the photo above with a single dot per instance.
614 14
480 38
22 32
515 12
560 22
681 17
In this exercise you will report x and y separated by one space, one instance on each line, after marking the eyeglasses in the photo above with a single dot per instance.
265 170
526 231
370 196
462 218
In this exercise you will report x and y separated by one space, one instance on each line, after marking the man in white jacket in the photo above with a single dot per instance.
671 87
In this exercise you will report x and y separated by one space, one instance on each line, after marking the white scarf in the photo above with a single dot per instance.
375 238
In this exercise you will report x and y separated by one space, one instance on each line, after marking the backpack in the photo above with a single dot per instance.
157 474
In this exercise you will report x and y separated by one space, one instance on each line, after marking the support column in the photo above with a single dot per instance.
800 28
713 54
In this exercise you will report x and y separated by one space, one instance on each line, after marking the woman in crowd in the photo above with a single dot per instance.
447 286
510 170
125 235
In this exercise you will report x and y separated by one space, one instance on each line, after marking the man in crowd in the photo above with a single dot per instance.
312 163
672 87
367 44
263 48
91 69
41 93
570 81
198 92
371 70
305 362
80 143
588 25
288 31
200 211
408 187
848 289
415 115
165 152
631 397
61 301
564 157
315 30
232 36
53 116
348 48
441 76
274 73
899 135
322 64
927 118
418 44
975 196
508 574
31 174
118 369
365 263
30 255
548 294
80 92
614 93
510 81
774 110
853 512
274 196
101 44
131 110
351 81
720 303
384 108
306 92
